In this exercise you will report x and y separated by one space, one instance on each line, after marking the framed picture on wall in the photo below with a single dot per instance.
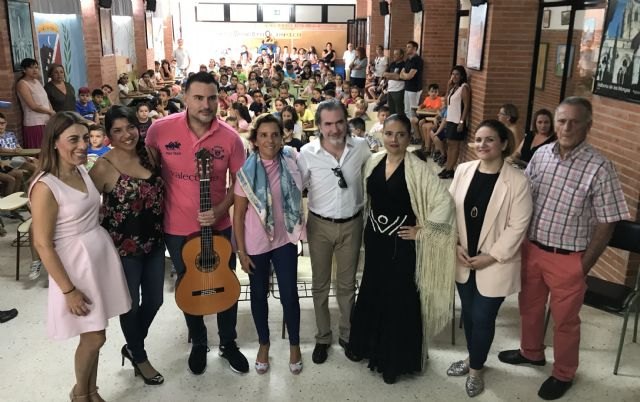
565 16
541 68
477 29
546 18
20 32
561 51
106 31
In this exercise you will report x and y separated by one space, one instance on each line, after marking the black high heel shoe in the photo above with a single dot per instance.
155 380
126 355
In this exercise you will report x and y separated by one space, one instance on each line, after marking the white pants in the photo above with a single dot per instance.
411 102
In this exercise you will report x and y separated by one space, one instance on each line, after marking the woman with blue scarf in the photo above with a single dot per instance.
268 222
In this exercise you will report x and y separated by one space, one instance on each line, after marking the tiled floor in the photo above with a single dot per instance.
35 368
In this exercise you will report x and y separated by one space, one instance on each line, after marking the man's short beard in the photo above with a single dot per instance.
334 141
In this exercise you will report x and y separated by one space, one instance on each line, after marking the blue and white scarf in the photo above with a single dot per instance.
255 183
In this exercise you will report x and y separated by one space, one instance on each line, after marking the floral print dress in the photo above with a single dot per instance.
132 213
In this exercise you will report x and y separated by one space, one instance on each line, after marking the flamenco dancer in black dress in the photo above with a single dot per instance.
409 266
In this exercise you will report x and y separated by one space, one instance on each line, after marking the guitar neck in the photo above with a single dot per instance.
206 232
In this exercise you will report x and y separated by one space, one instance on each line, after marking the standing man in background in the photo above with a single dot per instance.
412 77
182 58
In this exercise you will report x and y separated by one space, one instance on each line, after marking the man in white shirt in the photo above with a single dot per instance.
349 56
182 58
332 172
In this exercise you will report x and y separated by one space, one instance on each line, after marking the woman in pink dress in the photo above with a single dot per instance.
87 285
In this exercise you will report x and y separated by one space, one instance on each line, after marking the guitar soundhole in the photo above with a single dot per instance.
208 263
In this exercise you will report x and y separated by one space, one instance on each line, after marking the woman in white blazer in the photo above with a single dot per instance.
493 209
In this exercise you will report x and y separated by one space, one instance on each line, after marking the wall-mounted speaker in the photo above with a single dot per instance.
416 5
151 5
478 2
384 7
104 3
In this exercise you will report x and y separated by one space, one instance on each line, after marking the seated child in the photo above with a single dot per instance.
354 94
357 127
316 96
432 103
305 115
84 105
307 92
97 148
97 97
233 122
329 94
361 110
144 121
288 138
376 129
284 94
289 113
258 106
12 168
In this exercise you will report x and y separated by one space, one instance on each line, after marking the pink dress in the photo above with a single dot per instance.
90 259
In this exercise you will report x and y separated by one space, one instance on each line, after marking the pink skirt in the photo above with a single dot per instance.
32 136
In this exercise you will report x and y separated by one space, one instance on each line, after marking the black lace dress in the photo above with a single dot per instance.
387 324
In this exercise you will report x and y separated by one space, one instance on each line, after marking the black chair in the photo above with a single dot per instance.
616 298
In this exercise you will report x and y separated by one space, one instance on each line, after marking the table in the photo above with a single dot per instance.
13 201
426 113
22 152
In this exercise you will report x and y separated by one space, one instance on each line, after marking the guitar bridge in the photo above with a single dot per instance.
207 292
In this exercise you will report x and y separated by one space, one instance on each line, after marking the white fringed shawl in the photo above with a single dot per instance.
435 243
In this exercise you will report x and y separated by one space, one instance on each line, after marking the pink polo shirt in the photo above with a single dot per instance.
177 146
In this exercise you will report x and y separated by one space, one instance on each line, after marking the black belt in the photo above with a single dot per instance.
336 220
554 250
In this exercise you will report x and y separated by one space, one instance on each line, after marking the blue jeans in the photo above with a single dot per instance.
479 316
226 319
146 273
285 264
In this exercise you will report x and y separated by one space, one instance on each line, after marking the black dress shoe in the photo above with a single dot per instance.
198 359
319 355
348 352
389 378
8 315
553 389
515 357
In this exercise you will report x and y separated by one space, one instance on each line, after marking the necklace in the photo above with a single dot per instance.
474 212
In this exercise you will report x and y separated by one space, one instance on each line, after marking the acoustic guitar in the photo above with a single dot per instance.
208 286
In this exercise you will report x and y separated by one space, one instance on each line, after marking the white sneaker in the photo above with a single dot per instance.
36 269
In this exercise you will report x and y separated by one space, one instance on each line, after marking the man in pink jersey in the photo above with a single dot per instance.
177 138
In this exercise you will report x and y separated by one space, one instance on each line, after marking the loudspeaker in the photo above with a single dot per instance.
151 5
384 8
104 3
416 5
478 2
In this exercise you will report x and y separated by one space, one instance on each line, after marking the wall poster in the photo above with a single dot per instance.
60 41
618 73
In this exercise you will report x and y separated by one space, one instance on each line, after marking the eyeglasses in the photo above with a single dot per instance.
338 173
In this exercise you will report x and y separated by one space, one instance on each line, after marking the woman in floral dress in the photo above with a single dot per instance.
128 177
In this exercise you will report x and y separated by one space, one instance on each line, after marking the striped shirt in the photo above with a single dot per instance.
571 196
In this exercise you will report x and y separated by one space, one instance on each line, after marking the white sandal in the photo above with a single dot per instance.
295 368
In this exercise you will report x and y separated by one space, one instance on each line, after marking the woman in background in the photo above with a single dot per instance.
35 104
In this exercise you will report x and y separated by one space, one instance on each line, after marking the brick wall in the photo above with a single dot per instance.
438 41
168 37
506 66
402 24
376 26
140 38
7 76
616 133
